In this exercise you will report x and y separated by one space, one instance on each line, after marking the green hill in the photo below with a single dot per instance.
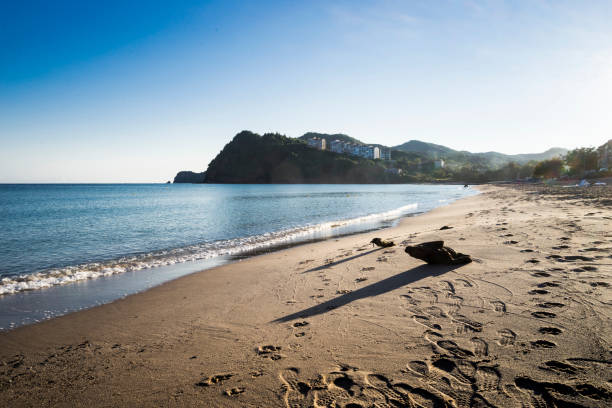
330 137
489 159
274 158
429 149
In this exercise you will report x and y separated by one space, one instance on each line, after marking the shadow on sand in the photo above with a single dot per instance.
329 265
375 289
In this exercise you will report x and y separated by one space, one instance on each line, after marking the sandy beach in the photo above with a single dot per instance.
339 323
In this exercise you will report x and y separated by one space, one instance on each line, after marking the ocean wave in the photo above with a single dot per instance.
92 270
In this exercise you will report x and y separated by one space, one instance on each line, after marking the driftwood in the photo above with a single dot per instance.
436 253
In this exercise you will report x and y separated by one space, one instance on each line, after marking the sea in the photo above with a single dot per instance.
68 247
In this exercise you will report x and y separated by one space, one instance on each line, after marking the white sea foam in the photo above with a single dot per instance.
71 274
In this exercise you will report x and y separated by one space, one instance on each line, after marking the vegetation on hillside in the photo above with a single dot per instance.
274 158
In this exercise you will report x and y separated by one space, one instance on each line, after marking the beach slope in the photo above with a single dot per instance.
343 323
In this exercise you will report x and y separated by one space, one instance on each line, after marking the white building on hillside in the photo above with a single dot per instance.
316 143
368 152
439 164
336 146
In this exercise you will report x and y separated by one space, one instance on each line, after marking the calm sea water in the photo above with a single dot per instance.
62 236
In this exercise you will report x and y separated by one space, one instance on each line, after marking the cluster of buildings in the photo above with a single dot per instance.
338 146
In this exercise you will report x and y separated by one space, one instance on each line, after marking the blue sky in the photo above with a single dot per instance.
123 91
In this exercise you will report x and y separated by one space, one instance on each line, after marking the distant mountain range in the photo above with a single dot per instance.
435 151
495 158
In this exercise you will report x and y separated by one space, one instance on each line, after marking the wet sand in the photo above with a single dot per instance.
340 323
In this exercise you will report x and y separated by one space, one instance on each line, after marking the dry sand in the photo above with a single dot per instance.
338 323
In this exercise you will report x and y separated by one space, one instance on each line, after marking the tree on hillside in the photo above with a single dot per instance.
581 160
527 169
548 168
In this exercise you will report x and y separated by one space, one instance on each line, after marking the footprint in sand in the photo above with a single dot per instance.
538 292
384 386
456 301
300 324
548 285
234 391
559 367
541 274
435 311
416 396
466 325
215 379
454 349
487 379
550 330
432 336
461 370
425 321
545 394
481 347
548 305
543 344
543 315
499 306
418 367
296 392
571 258
447 285
513 392
506 337
269 351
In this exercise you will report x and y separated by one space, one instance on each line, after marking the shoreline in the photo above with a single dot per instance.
84 270
350 322
94 292
215 262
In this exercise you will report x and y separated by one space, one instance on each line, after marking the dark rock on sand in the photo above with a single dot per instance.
436 253
381 243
